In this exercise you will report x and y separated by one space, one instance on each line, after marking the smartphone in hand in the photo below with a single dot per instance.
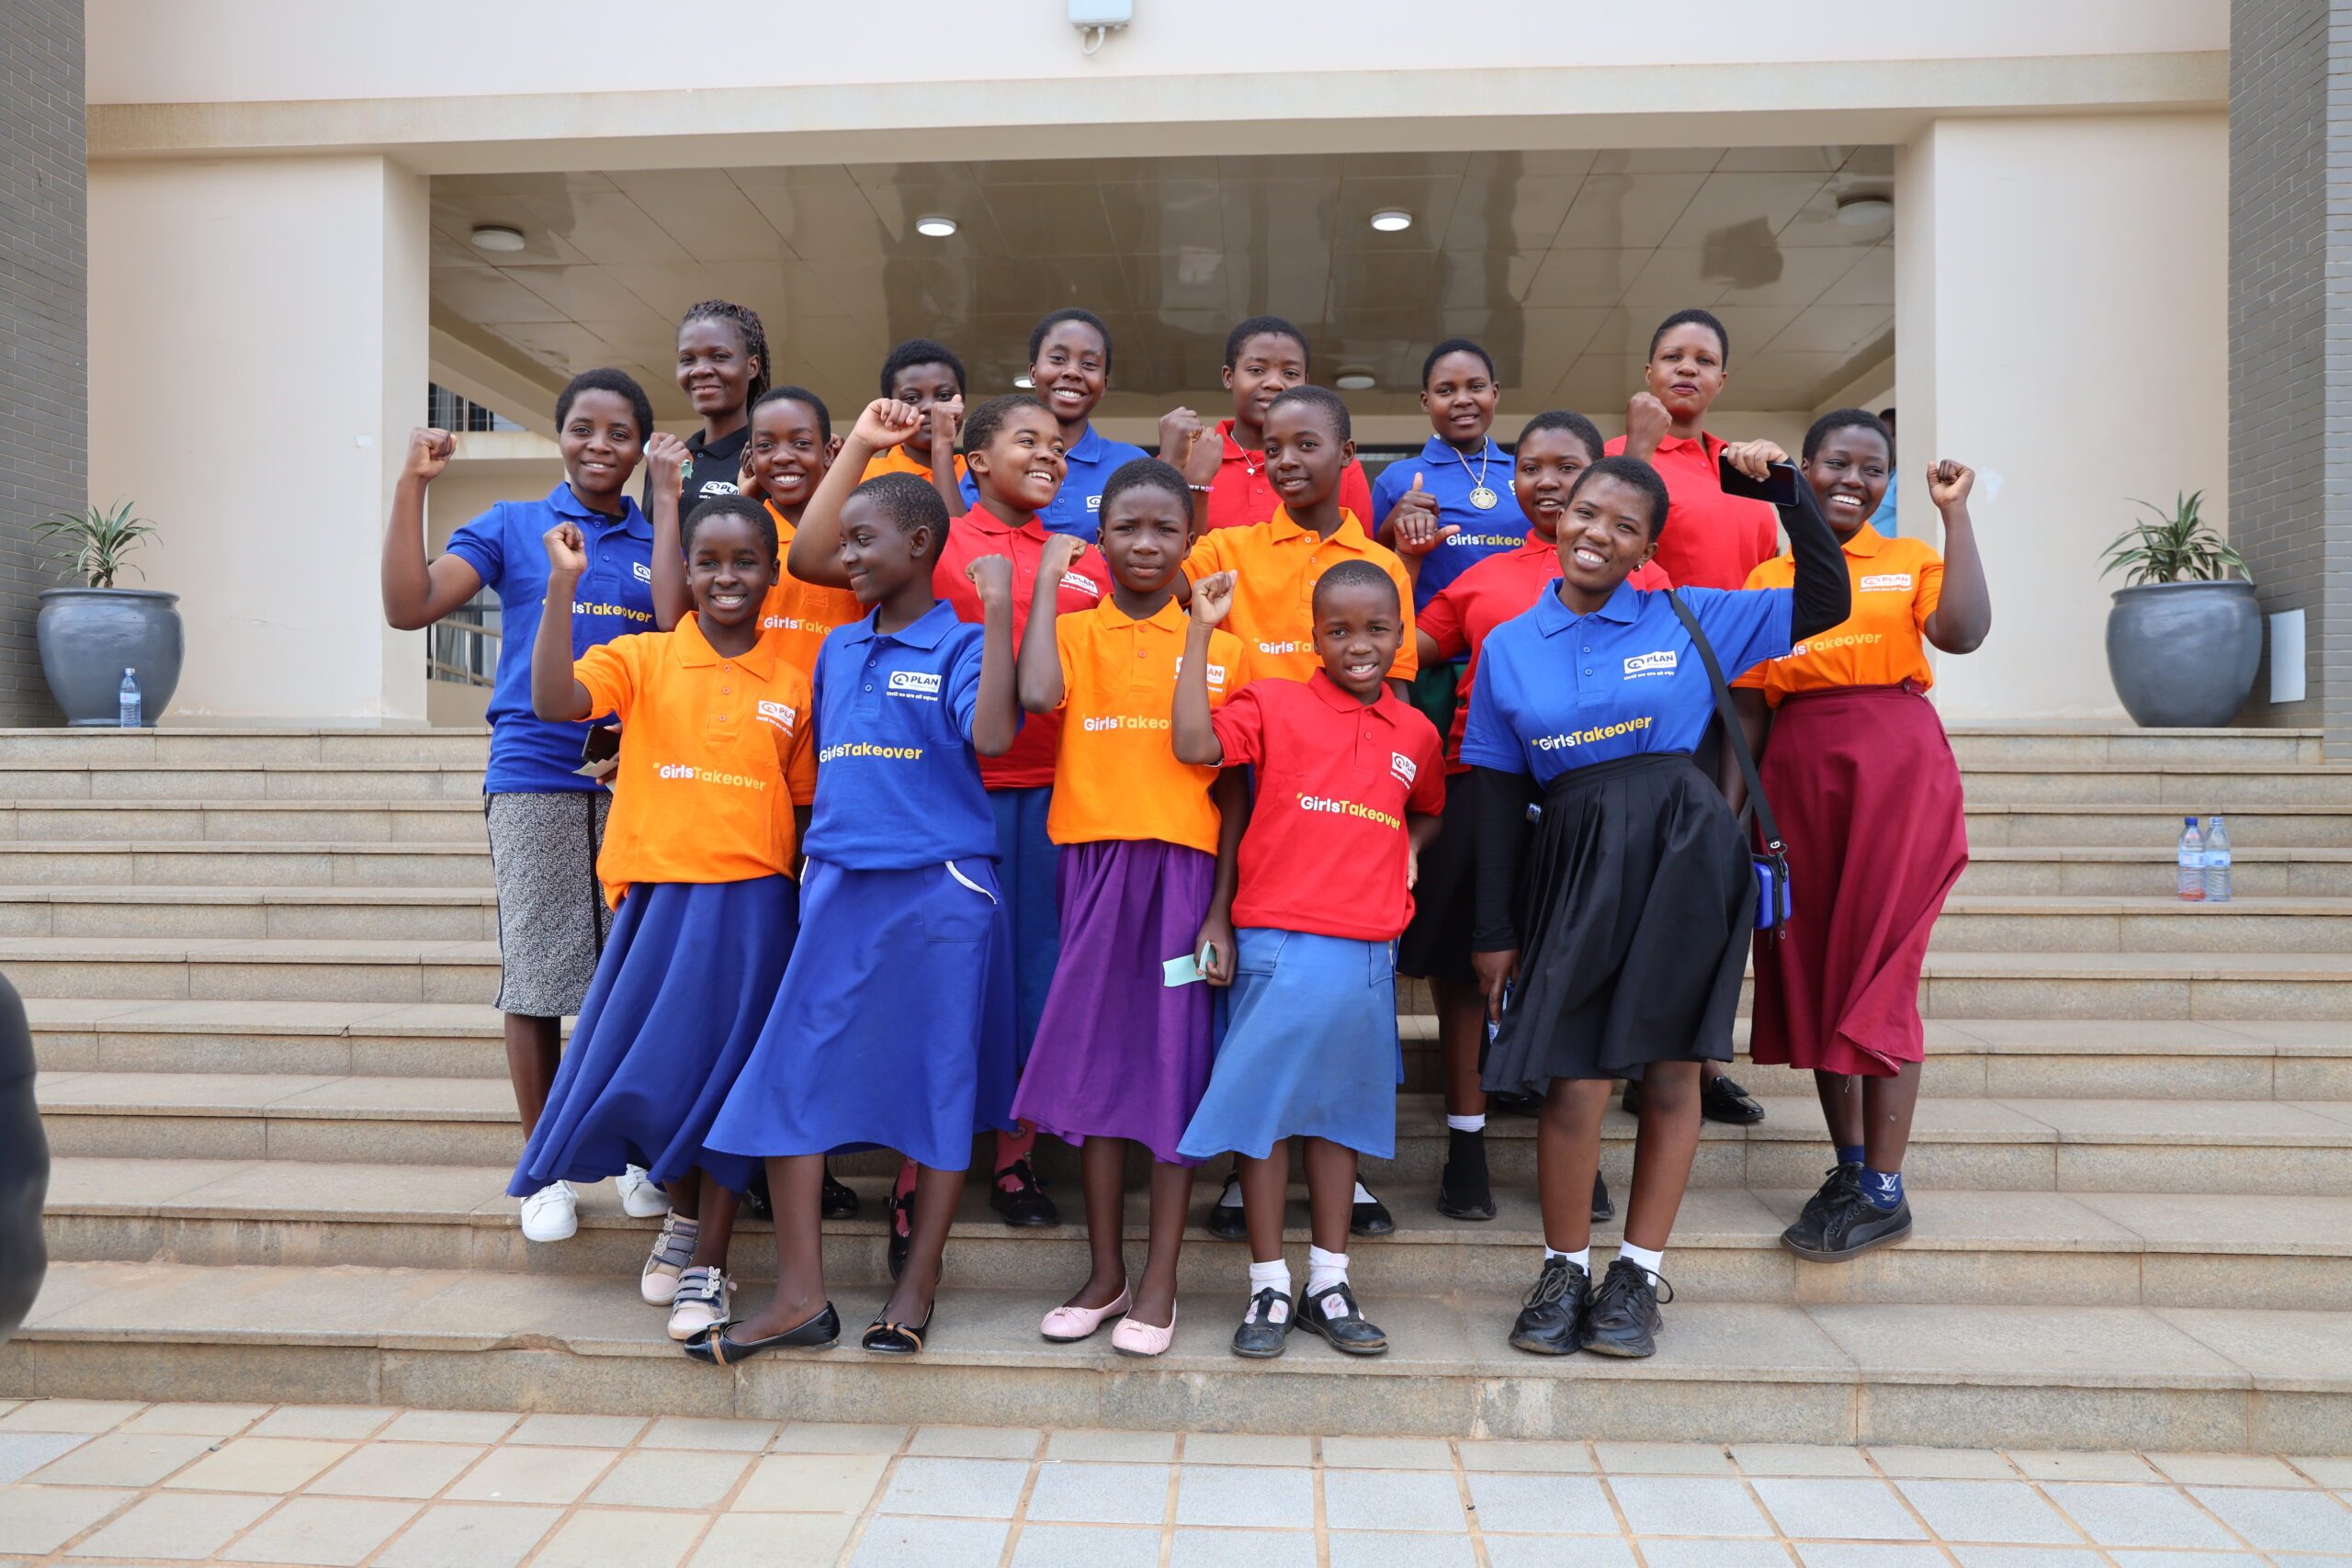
1780 488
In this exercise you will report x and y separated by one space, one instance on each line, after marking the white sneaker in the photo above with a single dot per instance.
640 1199
674 1248
552 1214
704 1294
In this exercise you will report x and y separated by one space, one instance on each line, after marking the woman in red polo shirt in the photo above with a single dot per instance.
1868 798
1711 539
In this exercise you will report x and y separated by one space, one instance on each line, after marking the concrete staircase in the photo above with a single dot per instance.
259 965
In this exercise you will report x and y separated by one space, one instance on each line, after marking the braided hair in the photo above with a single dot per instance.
746 323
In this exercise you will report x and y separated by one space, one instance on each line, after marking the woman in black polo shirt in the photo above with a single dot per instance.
722 368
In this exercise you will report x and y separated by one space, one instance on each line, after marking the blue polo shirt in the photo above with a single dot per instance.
898 782
1077 507
1557 690
506 548
1445 476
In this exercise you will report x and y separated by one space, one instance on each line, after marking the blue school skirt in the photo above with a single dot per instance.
893 1028
687 978
1310 1048
1027 869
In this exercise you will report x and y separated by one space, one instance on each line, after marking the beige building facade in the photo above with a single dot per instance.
282 195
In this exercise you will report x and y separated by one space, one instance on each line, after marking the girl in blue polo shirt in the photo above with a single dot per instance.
546 820
1636 898
1070 367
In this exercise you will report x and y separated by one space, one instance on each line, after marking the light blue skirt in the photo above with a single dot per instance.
1310 1048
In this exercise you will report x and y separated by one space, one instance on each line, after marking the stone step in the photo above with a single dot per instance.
106 779
2026 1144
2267 1251
2135 870
2092 923
261 746
243 821
286 863
2152 830
1968 1058
2187 788
2122 746
417 914
1977 1373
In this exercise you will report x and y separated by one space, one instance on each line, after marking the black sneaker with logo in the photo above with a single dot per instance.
1624 1319
1552 1316
1855 1224
1803 1238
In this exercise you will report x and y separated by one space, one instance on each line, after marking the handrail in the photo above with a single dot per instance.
467 655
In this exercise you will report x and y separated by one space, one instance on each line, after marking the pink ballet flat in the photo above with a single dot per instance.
1066 1324
1133 1338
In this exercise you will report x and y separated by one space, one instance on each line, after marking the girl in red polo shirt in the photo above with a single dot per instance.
1867 799
716 774
1350 781
1148 847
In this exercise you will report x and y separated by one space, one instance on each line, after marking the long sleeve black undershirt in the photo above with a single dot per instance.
1822 598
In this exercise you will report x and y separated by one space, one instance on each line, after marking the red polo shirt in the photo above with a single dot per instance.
1241 495
1712 540
978 533
1325 852
1496 590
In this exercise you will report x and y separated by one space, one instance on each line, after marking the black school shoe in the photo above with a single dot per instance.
1349 1332
1552 1314
1261 1336
1805 1238
1371 1217
837 1201
1624 1319
1511 1102
1023 1204
1853 1225
1464 1192
1720 1100
1225 1222
1602 1209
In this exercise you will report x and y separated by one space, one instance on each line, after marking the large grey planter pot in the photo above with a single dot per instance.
2183 654
89 636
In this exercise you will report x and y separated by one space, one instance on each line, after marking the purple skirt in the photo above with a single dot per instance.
1120 1054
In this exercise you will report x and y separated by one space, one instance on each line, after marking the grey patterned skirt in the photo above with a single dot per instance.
551 913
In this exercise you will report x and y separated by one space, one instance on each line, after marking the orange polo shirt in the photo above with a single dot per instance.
898 460
1117 776
715 754
1276 565
1242 495
1896 585
1711 539
979 532
796 615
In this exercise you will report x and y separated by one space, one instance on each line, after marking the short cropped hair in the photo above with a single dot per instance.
1456 346
607 380
921 351
1693 318
1634 472
1070 313
982 423
741 506
1264 326
1333 407
909 504
1147 473
1837 419
801 395
1575 424
1356 575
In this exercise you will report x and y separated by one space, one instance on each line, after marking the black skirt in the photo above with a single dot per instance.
1436 946
1635 913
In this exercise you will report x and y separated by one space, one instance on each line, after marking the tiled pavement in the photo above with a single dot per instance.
90 1483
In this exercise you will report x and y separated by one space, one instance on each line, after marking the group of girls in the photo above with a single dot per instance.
990 777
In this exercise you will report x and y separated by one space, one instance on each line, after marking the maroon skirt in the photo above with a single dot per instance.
1868 797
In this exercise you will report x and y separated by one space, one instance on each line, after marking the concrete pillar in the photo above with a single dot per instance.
2061 321
257 357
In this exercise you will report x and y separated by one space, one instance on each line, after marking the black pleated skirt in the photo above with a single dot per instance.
1636 907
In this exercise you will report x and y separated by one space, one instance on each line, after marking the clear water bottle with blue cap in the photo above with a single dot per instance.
2217 859
129 698
2191 863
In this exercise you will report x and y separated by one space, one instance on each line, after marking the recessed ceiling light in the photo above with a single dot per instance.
935 225
1355 381
1391 221
1023 383
497 237
1862 211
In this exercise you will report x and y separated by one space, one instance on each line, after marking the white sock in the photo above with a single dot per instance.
1231 1197
1581 1258
1361 1196
1641 1257
1325 1269
1274 1277
1462 1124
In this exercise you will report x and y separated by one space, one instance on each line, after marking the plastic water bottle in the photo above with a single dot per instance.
2217 861
129 698
2192 863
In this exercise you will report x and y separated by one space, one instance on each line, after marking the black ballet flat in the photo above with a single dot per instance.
712 1346
897 1339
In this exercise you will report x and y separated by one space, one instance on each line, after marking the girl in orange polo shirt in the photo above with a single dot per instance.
716 775
1147 856
1869 802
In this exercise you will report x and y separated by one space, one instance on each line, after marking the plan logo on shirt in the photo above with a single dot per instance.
1662 663
920 684
1402 766
1886 583
643 572
1216 672
781 715
1083 583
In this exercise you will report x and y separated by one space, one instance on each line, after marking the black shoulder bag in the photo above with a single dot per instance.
1772 867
